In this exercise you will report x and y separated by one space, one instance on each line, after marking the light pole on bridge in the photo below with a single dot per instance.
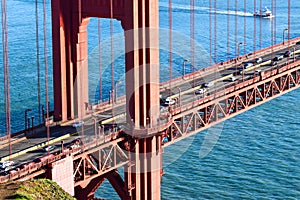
117 83
26 111
179 96
238 49
238 55
183 67
283 35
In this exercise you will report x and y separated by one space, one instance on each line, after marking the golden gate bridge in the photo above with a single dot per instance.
93 141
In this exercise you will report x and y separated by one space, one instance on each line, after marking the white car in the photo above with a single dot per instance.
247 65
6 164
78 124
209 84
232 79
169 101
200 91
49 148
258 60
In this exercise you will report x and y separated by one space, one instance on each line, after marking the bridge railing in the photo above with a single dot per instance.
272 72
229 63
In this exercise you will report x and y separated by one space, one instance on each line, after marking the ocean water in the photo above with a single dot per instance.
257 155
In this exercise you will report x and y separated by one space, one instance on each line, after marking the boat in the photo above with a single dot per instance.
265 13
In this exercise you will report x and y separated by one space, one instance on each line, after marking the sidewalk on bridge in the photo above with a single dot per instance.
19 136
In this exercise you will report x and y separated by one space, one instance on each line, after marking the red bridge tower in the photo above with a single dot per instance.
140 21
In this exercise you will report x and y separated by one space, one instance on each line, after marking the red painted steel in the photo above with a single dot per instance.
140 22
138 146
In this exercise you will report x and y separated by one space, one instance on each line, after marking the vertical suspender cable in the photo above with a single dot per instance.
46 69
228 29
236 27
100 60
275 22
112 60
170 43
289 21
80 77
192 38
272 26
254 30
215 33
6 72
245 26
112 47
272 30
38 59
210 32
260 26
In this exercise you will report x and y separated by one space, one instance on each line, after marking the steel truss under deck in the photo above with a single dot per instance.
229 102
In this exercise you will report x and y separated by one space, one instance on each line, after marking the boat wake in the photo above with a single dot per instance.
181 7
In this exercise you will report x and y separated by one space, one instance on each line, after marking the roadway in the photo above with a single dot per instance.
27 150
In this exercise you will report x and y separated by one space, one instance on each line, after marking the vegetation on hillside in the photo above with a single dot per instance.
42 189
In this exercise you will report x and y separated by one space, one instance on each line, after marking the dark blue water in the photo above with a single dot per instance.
257 154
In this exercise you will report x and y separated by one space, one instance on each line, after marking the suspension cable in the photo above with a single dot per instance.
6 73
272 25
236 27
228 29
289 21
260 26
245 26
112 61
192 38
170 43
210 32
275 22
100 60
38 59
254 30
112 47
215 33
46 70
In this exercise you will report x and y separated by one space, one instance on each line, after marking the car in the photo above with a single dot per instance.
169 101
5 164
287 54
273 63
200 91
232 79
49 148
208 84
78 124
247 65
278 57
258 60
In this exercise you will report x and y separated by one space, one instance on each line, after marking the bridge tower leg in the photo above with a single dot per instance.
70 60
141 23
140 20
